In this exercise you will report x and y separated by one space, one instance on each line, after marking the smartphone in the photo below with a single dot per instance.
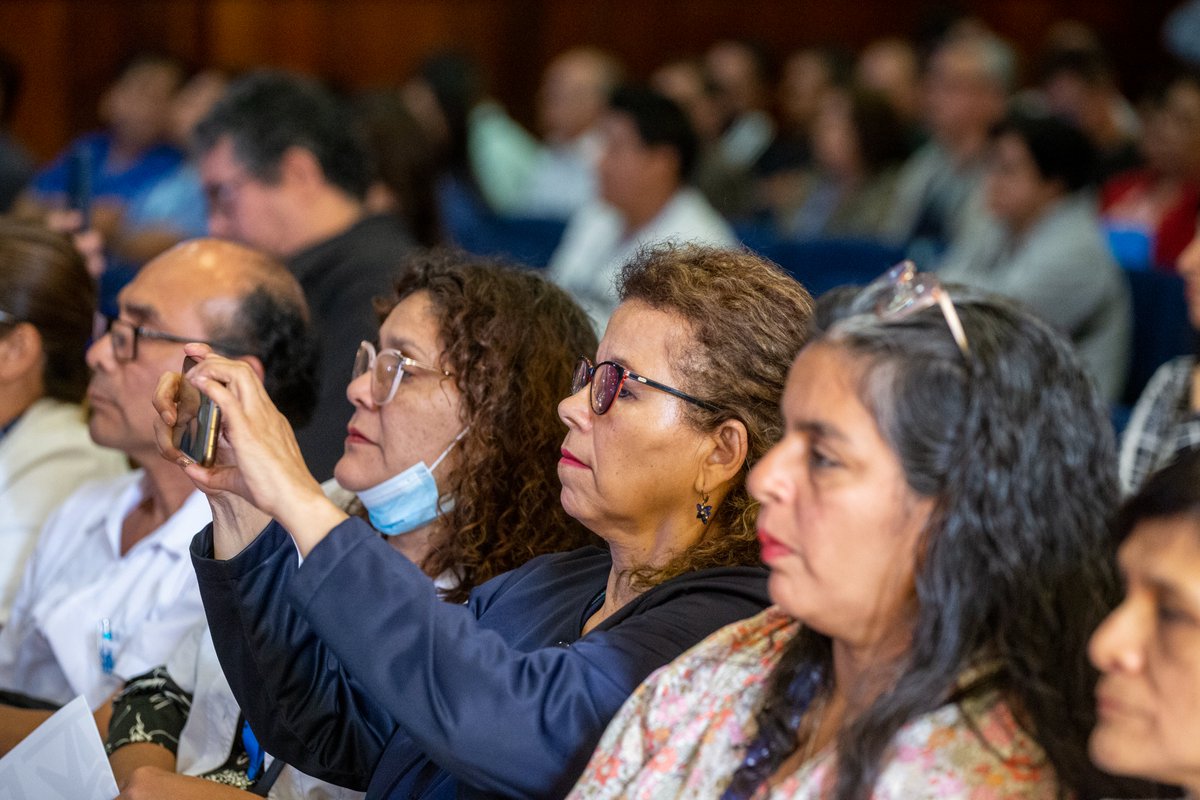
197 421
79 184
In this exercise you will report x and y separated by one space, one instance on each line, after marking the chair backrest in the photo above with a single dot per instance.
1161 328
823 264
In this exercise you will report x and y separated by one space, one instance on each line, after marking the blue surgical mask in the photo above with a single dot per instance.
409 500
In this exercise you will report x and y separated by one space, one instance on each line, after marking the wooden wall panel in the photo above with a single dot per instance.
70 47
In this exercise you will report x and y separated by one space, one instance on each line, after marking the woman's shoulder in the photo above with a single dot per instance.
971 749
732 658
587 566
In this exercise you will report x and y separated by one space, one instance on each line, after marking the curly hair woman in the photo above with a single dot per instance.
452 456
507 695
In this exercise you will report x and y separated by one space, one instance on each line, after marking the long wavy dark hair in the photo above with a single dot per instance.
511 341
1016 566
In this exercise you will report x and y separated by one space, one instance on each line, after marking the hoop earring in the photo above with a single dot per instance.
703 509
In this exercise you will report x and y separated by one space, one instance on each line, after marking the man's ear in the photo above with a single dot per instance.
255 364
299 167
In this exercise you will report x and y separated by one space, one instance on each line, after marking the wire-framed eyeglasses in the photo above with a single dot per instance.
902 291
124 335
608 378
387 367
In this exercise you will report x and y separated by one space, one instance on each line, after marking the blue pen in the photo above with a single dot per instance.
254 752
106 646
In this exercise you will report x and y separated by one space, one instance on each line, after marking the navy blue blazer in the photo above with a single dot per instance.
351 669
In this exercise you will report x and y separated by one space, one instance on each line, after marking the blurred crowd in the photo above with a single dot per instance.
386 575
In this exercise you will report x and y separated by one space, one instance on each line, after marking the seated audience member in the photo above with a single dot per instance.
571 102
286 172
1166 418
108 592
686 83
487 157
437 471
175 208
649 152
46 306
891 67
159 216
1044 244
808 76
405 164
741 75
16 165
509 693
1151 212
858 144
967 83
1148 649
131 155
1078 84
934 582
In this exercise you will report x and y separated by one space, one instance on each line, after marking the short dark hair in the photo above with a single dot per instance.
43 281
1059 149
274 326
1171 492
659 121
267 112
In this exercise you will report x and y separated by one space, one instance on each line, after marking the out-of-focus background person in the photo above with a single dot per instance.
47 303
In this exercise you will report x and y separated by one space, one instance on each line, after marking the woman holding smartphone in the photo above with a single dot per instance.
353 670
433 469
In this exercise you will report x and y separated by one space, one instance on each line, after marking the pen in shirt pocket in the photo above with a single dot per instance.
105 644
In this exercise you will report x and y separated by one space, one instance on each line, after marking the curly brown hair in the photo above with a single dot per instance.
747 320
511 339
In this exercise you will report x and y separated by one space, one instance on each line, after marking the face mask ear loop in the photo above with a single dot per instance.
449 447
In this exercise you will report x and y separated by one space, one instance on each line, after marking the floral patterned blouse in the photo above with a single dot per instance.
683 734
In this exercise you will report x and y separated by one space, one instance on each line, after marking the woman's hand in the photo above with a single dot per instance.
257 457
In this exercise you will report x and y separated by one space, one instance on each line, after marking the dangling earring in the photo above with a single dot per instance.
703 509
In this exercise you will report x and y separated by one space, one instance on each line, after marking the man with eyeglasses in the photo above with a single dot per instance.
285 173
110 591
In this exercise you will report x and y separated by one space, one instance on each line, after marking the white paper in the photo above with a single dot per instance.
63 759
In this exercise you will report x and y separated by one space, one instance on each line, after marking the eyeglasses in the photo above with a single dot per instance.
387 368
124 335
902 291
222 196
608 378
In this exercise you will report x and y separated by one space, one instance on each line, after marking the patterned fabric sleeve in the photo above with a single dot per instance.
1162 424
152 709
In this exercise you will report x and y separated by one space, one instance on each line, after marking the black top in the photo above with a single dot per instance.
351 669
340 277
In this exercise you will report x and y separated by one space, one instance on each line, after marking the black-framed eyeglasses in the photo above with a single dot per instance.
124 335
608 378
387 367
902 291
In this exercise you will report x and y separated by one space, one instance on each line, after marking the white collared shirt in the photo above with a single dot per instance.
596 245
77 577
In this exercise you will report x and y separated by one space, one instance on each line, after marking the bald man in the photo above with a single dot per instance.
109 591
